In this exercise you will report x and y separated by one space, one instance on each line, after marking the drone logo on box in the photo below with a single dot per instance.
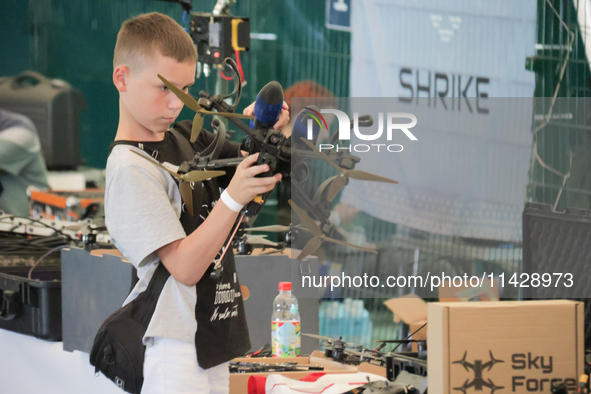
478 367
345 126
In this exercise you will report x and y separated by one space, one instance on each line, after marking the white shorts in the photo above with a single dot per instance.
170 367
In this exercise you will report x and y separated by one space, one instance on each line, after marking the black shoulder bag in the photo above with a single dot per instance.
118 350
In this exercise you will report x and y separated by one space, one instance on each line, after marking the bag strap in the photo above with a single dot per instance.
184 144
158 280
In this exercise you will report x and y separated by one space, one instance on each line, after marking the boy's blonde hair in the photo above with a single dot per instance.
147 35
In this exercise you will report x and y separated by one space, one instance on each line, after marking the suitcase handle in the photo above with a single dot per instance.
18 81
11 306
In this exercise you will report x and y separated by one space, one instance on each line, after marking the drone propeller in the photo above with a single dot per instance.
96 224
187 196
331 341
344 174
272 229
398 340
184 186
259 240
364 354
319 237
200 112
85 228
272 251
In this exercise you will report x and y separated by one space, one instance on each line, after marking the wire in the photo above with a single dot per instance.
12 217
239 64
570 48
564 181
226 78
20 245
229 244
408 336
187 29
549 115
44 256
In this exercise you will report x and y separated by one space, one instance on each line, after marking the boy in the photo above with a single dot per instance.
192 334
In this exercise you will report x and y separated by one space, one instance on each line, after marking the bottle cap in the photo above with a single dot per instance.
284 285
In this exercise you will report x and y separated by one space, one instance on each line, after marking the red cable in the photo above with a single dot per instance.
240 71
223 76
239 64
229 244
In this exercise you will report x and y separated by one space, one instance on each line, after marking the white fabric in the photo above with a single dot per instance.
142 211
21 165
23 137
466 175
327 384
170 367
30 365
583 8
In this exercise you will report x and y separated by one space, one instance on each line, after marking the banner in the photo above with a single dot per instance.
449 63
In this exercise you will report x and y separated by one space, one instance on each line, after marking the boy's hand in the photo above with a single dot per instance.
244 186
283 118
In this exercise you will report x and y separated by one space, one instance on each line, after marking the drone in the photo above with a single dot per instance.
421 344
251 367
245 242
384 387
337 349
350 353
277 152
91 233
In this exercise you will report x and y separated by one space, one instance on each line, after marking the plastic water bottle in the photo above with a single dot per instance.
285 324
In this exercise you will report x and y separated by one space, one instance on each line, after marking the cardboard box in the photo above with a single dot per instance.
239 381
521 346
486 292
412 310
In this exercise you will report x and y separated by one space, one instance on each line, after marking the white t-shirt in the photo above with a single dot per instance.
139 224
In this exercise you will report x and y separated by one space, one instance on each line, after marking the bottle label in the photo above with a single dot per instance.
287 341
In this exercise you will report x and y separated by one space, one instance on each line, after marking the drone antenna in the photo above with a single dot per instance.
410 335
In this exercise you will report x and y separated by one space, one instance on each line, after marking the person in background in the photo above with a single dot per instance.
21 162
321 97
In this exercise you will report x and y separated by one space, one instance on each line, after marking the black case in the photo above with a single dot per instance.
32 306
54 106
559 242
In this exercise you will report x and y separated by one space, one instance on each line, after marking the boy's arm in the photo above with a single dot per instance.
140 213
187 259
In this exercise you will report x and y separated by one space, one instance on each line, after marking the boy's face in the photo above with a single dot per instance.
148 103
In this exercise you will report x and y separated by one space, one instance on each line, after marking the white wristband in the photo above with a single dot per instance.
230 202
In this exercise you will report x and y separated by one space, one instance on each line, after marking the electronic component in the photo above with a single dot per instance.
219 36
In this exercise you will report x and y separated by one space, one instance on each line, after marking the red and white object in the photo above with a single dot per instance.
327 384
